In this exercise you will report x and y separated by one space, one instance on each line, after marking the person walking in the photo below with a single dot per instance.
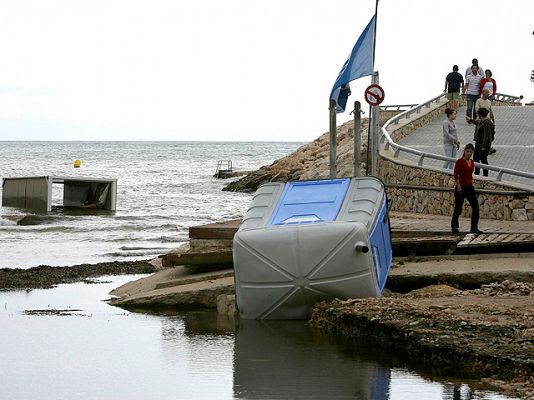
483 138
451 144
472 90
464 190
485 102
489 83
454 81
480 71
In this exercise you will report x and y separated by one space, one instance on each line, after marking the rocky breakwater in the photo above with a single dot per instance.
485 334
310 161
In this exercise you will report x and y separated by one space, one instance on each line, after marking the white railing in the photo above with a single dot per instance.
508 98
385 139
397 107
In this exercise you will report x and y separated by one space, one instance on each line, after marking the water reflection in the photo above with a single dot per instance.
104 352
285 359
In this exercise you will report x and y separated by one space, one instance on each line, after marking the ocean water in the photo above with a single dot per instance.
163 188
66 343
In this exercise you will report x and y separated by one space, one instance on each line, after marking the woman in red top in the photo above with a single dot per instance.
463 177
488 83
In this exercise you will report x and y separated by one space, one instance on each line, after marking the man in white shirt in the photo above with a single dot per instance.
468 70
471 89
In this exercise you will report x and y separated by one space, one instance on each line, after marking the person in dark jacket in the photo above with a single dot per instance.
483 138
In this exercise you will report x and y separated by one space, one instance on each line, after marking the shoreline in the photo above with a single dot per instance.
484 333
47 277
483 328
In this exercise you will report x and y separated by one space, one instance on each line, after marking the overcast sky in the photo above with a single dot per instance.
235 69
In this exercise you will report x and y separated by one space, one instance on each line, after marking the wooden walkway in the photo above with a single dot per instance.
497 242
421 234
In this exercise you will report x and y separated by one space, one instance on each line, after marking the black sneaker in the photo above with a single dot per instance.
455 230
477 231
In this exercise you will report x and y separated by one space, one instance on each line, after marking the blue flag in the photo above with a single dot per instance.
359 63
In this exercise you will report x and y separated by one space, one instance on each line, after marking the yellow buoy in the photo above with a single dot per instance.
77 163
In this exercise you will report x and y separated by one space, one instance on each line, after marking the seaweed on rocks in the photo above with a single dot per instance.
45 276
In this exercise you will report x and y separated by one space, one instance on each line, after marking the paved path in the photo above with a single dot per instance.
514 140
442 223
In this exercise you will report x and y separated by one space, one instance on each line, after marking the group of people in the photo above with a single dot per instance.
470 89
479 91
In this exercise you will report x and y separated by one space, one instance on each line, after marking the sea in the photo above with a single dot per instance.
163 188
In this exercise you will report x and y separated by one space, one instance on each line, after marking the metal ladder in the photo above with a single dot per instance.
223 166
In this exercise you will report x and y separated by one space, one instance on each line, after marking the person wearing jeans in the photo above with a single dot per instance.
451 144
464 190
472 91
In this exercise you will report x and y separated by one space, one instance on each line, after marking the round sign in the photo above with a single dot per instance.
374 95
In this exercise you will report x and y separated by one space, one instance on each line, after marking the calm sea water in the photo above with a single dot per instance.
163 189
102 352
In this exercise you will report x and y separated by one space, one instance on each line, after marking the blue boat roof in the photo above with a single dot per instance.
310 201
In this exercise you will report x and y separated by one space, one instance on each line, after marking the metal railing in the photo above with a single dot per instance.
397 107
222 168
508 98
398 149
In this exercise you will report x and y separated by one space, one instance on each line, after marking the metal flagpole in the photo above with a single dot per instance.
372 138
374 36
376 111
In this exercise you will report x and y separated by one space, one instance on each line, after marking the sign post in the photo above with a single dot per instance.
333 140
357 137
374 95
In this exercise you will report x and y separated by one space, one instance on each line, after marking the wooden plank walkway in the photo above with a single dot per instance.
412 234
497 239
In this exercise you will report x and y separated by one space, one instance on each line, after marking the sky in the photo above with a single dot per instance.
235 70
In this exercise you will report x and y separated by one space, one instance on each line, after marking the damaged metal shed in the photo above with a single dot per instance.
35 192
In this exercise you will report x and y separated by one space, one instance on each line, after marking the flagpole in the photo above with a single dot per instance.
359 64
372 136
374 36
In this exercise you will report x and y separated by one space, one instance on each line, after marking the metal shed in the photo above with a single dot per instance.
35 192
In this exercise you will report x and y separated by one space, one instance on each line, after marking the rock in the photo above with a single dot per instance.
222 304
518 204
226 304
519 215
433 290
